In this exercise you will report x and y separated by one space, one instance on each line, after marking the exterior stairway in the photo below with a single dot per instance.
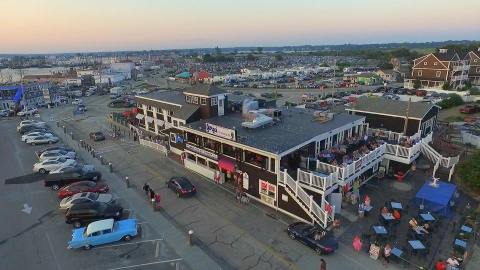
316 212
438 160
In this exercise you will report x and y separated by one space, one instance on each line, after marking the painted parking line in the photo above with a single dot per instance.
132 243
53 251
146 264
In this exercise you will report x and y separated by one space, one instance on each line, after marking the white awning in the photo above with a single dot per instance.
139 116
149 119
160 123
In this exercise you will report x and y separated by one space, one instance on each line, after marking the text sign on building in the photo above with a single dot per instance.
222 132
202 152
46 95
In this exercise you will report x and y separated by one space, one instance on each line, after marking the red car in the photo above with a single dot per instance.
469 109
82 186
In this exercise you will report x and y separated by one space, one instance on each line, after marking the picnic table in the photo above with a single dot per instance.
416 244
397 252
380 229
427 217
388 216
460 243
396 205
466 229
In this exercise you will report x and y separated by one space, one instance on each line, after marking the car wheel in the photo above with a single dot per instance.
318 251
42 170
33 143
87 247
292 236
127 238
77 224
55 187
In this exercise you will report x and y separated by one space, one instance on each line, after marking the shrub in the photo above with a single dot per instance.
474 91
469 171
451 101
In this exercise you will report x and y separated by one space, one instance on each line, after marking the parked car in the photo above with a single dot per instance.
97 136
103 232
27 111
5 113
320 240
42 139
31 135
85 213
57 180
58 154
31 122
84 168
85 197
470 109
53 148
30 128
181 186
77 101
421 93
48 165
82 186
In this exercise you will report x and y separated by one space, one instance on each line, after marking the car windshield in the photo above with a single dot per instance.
62 160
184 183
93 196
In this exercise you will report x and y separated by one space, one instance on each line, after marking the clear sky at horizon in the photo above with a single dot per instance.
46 26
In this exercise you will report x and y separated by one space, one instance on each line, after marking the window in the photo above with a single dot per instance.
203 101
419 73
149 108
425 63
211 144
173 138
435 63
229 150
175 123
267 189
213 165
202 161
170 112
272 165
160 116
191 157
182 124
213 101
220 102
169 119
438 74
195 100
475 60
478 69
159 110
188 99
256 159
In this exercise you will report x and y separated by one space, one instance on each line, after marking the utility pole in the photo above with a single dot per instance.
406 116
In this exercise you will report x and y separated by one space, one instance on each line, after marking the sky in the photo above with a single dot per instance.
53 26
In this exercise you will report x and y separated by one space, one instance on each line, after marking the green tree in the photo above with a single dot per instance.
474 91
417 84
218 51
445 86
451 101
250 57
385 65
278 57
259 50
469 171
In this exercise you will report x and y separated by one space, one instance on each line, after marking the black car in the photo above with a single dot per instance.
318 239
84 213
97 136
181 186
64 148
57 180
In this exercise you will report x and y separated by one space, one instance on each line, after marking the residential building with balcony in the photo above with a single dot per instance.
474 73
437 69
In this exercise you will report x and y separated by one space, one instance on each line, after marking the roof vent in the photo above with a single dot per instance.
255 120
443 50
323 116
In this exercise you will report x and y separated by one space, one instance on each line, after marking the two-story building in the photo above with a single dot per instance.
435 70
474 73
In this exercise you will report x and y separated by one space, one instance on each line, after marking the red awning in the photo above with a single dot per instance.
226 164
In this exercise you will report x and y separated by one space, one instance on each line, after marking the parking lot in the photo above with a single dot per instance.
34 234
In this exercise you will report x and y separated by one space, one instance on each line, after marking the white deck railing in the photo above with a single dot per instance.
156 146
317 181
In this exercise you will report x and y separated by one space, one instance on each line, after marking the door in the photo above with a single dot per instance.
336 200
221 105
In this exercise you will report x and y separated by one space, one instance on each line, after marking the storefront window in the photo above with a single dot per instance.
213 165
267 191
272 165
191 157
202 161
256 159
211 144
193 138
160 116
229 150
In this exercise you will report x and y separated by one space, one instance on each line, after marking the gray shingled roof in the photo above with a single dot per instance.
204 90
296 127
170 100
391 107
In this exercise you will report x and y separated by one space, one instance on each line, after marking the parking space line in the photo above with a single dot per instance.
132 243
53 251
145 264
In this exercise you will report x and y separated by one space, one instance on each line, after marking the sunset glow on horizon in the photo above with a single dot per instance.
47 26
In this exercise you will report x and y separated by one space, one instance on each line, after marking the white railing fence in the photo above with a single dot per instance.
153 145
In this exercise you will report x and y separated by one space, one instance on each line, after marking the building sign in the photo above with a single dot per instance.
222 132
267 192
202 152
46 95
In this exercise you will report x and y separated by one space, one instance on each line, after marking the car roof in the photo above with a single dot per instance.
100 225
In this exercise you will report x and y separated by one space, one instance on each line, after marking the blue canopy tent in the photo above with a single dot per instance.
436 199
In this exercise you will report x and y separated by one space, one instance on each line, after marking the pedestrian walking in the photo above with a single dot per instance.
146 188
151 193
323 264
157 201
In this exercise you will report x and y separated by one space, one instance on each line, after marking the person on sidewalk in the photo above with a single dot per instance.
157 202
151 193
146 188
323 264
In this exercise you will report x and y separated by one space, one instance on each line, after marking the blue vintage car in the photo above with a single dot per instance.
103 232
